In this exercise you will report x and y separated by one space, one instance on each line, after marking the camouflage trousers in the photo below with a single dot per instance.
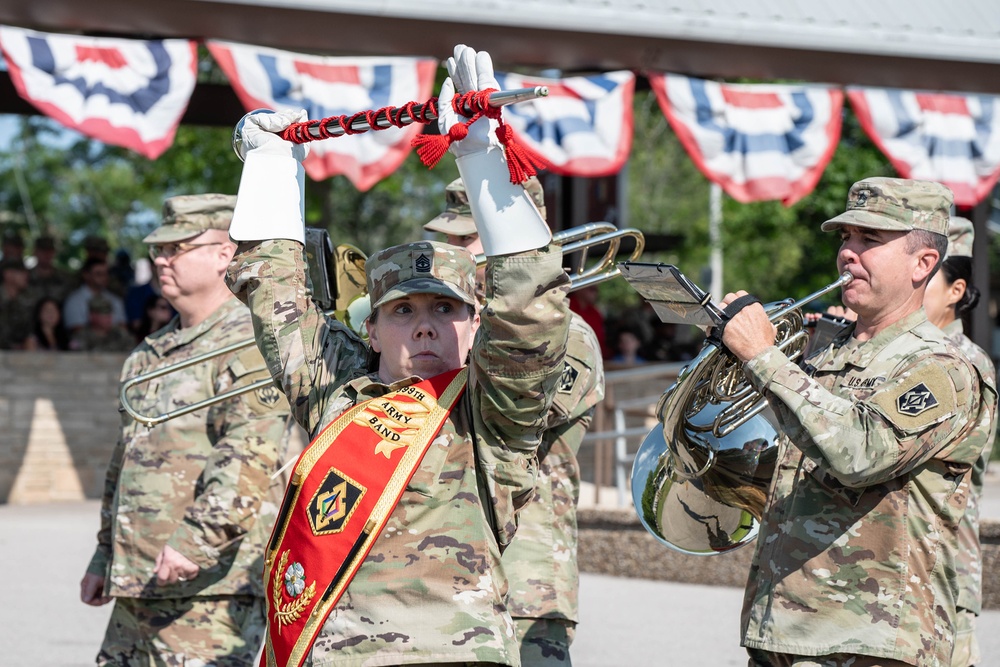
768 659
223 631
545 642
966 647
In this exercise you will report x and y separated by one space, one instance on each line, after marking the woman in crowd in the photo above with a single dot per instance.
49 332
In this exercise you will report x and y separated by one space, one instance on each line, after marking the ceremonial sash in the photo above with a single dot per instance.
345 486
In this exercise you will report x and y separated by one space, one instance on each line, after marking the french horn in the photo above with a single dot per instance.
700 478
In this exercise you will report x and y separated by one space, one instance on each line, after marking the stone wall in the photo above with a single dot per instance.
58 424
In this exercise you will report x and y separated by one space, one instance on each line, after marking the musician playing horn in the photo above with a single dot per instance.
855 560
387 550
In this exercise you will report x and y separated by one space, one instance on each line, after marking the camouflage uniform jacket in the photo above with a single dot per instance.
431 589
541 562
970 558
115 340
856 550
199 482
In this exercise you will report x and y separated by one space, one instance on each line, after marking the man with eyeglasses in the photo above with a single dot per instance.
188 504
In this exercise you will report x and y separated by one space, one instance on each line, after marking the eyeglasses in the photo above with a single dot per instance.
171 250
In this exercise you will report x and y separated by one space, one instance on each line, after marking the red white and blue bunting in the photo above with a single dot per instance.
950 138
582 128
757 141
124 92
324 87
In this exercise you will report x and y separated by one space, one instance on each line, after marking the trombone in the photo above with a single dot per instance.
348 261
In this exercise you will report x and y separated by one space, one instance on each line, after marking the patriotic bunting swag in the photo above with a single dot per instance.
952 139
123 92
324 87
583 127
758 142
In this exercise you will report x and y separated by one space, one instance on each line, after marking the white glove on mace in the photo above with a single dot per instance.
270 203
506 218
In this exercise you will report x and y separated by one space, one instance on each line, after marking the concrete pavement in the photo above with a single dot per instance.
44 550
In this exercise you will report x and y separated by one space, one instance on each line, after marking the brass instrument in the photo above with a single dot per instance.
339 287
700 479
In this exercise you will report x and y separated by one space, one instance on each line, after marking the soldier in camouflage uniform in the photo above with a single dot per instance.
855 559
188 504
432 589
100 335
541 562
950 297
16 305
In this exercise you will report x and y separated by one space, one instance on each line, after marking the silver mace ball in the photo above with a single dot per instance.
238 133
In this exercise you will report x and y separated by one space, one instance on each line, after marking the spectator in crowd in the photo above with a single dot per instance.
628 341
94 276
157 313
101 333
15 304
121 273
49 332
46 279
145 285
584 302
12 245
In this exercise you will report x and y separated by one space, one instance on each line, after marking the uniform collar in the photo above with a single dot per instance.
848 350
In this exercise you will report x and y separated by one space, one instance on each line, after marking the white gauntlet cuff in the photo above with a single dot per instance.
506 218
270 203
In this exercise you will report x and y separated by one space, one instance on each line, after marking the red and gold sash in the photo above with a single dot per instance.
345 486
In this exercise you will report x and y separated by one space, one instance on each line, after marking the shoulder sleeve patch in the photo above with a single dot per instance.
266 399
918 400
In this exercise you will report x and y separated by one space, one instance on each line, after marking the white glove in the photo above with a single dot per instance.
270 203
506 218
468 71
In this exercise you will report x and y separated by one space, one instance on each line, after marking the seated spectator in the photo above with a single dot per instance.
49 332
45 278
101 334
157 314
16 306
94 276
628 340
146 285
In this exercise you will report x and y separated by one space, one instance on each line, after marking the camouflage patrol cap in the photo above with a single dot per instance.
425 267
456 220
99 305
896 204
960 237
186 216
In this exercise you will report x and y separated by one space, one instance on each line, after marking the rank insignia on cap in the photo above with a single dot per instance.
334 503
916 400
422 263
862 198
268 396
568 378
